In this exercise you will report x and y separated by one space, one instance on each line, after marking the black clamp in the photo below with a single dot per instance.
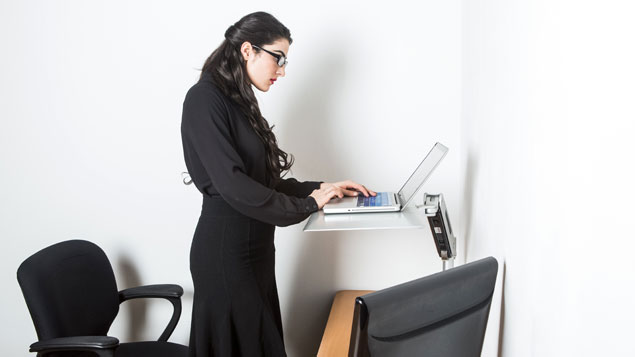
444 239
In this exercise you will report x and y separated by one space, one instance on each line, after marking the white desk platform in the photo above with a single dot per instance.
411 217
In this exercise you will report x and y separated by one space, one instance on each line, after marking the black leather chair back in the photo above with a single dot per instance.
444 314
70 290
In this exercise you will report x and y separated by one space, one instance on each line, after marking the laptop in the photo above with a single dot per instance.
388 201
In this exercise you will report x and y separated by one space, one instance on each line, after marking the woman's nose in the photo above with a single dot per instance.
281 71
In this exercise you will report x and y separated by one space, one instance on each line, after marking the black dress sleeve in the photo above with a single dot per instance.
295 188
206 125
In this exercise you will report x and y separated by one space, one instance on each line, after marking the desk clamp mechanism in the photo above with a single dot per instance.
444 239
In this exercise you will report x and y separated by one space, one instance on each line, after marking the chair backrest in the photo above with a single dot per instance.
70 290
444 314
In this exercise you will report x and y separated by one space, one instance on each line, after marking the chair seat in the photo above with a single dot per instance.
151 348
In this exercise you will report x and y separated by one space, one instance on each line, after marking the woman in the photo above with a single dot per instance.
234 160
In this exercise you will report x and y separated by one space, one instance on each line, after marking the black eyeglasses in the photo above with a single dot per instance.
282 60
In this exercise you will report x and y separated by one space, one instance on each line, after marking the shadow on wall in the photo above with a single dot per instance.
309 120
311 293
137 308
468 201
307 130
501 326
471 171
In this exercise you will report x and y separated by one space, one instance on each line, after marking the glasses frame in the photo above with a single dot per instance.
280 59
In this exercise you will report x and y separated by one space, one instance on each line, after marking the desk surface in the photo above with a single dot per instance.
337 334
409 218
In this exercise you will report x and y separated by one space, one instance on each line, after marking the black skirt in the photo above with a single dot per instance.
236 310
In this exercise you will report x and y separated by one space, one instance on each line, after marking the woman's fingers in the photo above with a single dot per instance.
358 187
363 190
367 192
350 192
350 184
334 191
340 189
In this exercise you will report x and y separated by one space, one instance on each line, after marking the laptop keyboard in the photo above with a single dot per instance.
381 199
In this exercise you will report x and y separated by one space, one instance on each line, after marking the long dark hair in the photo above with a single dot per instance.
227 69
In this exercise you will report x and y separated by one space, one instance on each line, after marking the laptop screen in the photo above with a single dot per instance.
422 173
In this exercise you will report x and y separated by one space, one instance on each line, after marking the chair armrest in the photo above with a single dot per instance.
337 333
103 346
170 292
151 291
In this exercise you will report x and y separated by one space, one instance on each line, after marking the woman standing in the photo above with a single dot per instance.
234 160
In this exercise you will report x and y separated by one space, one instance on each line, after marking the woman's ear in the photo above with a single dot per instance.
246 50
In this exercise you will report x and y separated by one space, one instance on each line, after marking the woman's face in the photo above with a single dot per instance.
262 67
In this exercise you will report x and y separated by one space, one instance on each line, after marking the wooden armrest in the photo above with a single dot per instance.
337 334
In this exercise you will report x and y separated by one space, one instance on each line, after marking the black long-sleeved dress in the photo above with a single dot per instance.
232 259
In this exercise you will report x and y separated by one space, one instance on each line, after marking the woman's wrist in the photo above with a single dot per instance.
312 205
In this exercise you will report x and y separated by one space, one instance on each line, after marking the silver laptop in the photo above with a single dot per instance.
388 201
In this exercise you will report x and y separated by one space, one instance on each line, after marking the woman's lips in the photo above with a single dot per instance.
272 80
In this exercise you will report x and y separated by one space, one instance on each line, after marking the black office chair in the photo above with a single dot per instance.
444 314
72 296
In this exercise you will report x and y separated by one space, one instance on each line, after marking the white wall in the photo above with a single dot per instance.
547 170
90 143
534 99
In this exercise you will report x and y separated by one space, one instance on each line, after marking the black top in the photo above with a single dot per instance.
225 157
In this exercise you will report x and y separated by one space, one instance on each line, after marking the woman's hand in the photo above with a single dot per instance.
347 185
340 189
